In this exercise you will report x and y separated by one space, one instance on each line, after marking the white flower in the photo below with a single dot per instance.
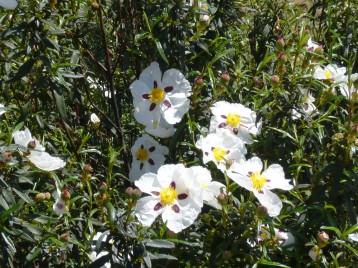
148 156
311 45
8 4
353 236
2 111
349 91
60 206
308 109
160 128
210 189
38 156
331 72
94 256
248 175
315 253
174 193
95 119
221 148
155 95
235 119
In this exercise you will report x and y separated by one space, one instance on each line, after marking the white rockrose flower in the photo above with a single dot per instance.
174 193
210 189
148 156
234 118
95 119
60 206
248 174
353 236
331 72
308 109
347 88
8 4
156 95
37 156
311 45
222 149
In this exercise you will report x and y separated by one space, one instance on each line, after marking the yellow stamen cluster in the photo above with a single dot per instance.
157 94
258 180
233 119
219 154
142 154
328 74
168 195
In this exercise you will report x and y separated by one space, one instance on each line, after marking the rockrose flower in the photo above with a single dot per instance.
60 206
308 109
248 174
38 156
347 88
234 118
148 156
222 149
156 95
174 193
331 72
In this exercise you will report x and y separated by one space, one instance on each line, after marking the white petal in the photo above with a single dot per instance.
276 178
145 212
24 137
176 79
150 74
269 200
8 4
44 161
148 183
60 207
353 236
319 73
138 88
2 111
238 172
254 164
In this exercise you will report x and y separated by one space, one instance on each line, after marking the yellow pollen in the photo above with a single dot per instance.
258 180
328 74
219 154
142 154
204 185
233 119
168 195
157 94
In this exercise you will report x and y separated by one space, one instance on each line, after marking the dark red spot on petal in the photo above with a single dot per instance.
249 173
152 106
176 208
155 84
268 180
228 151
223 116
173 184
151 149
141 166
167 103
221 125
212 148
182 196
235 130
150 160
158 206
60 206
155 193
261 192
145 96
168 89
206 153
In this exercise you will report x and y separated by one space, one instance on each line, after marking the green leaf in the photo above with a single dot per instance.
111 211
24 197
334 229
161 51
33 254
5 214
61 106
159 243
24 70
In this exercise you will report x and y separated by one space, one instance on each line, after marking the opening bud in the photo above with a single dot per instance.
225 77
322 239
261 212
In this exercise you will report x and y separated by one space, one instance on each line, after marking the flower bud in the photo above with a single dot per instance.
322 239
338 136
64 237
227 255
95 6
47 196
31 145
225 77
40 197
261 212
319 49
275 80
95 121
103 187
198 80
136 193
280 43
7 156
87 168
102 197
281 56
222 199
129 192
205 20
229 163
65 194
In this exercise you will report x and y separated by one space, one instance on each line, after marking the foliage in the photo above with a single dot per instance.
61 61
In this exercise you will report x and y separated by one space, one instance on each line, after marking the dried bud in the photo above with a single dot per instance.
261 212
48 196
275 80
7 156
257 80
65 194
87 168
338 136
64 237
319 49
280 43
31 145
102 197
40 197
225 77
103 187
281 56
227 255
322 239
53 2
95 6
198 80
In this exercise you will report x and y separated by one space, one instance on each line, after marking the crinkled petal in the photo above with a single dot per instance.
44 161
269 200
8 4
276 178
145 212
148 183
150 74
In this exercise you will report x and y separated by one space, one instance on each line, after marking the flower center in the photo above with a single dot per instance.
157 94
142 154
219 154
233 119
328 74
168 195
258 180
